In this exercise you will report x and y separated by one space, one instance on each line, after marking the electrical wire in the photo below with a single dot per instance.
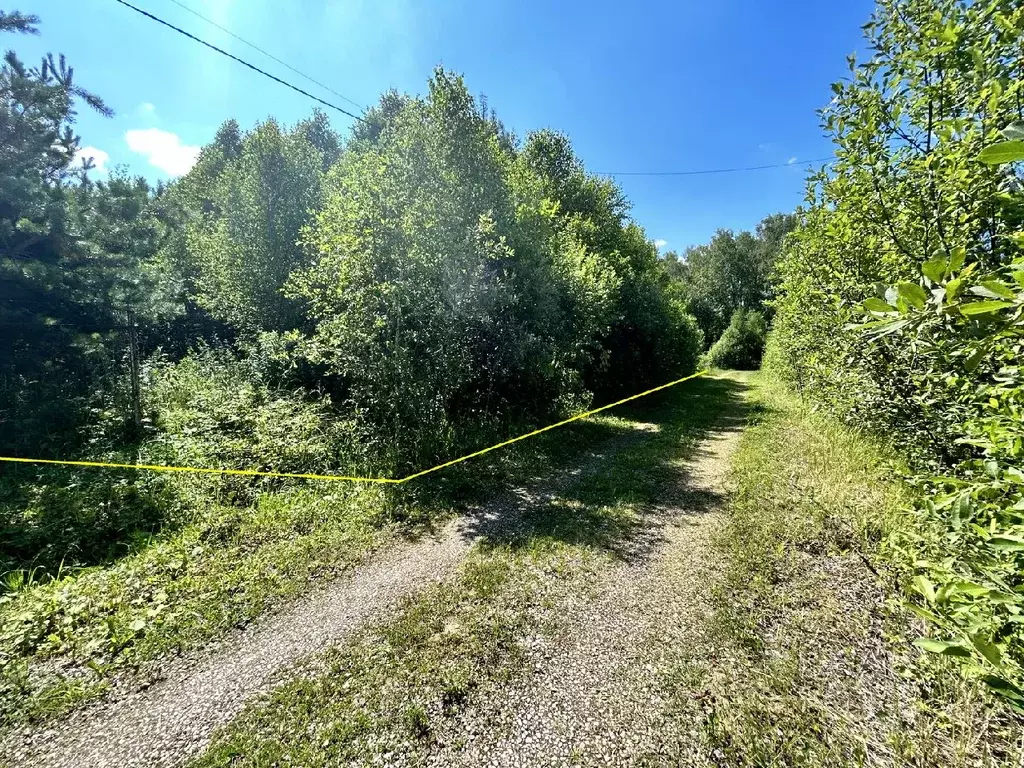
713 170
267 54
240 61
357 117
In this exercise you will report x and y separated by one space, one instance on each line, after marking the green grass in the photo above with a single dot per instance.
64 642
389 692
808 659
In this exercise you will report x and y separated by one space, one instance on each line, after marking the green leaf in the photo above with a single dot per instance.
974 359
952 288
138 625
942 647
934 269
1014 131
923 613
1003 152
877 305
1004 598
925 587
993 289
913 293
969 588
1003 687
984 307
1007 543
988 650
957 258
887 327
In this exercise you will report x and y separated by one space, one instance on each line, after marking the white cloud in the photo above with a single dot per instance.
163 149
659 244
98 156
791 161
146 109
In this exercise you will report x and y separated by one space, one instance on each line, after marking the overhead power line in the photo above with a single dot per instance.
240 61
317 99
267 54
712 170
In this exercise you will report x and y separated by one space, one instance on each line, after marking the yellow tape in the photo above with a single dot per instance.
204 470
551 426
305 476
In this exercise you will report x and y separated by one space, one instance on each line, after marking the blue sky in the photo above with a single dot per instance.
641 86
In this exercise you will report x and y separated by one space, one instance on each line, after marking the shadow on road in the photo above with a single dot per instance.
631 485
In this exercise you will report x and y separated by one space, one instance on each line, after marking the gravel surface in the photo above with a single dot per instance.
594 695
172 721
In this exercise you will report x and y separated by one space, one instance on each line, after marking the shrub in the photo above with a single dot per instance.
52 519
967 548
681 343
741 345
211 410
914 229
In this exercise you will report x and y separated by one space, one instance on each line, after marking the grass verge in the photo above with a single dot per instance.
809 659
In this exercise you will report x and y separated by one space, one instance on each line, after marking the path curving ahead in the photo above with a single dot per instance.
596 695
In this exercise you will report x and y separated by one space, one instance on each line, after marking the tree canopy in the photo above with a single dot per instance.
732 272
405 291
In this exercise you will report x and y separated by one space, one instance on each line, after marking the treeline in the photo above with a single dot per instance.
300 301
901 305
727 285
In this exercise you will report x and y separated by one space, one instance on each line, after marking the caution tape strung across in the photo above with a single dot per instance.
382 480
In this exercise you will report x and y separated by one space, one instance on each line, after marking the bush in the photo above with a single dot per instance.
900 307
741 345
211 409
52 519
966 547
682 343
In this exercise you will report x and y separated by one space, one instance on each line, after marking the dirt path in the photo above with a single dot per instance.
173 720
593 697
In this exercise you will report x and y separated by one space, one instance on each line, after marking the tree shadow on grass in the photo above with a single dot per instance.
621 500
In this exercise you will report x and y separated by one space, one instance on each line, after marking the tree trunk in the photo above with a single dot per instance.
133 361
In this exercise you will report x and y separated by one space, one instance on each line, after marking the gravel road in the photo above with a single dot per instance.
172 721
593 695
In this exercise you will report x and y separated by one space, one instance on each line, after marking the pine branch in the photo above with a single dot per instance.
15 21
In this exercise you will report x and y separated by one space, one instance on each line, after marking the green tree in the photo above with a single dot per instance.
906 188
418 293
242 242
741 345
636 346
730 273
63 300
